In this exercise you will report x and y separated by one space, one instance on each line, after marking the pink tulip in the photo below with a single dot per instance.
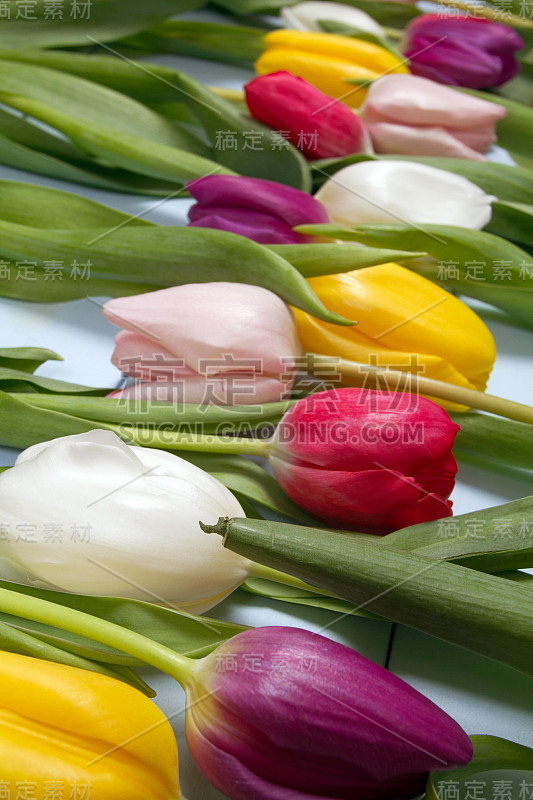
462 51
318 125
409 115
222 343
368 461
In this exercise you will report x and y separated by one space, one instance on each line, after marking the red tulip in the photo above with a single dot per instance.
462 51
367 460
318 125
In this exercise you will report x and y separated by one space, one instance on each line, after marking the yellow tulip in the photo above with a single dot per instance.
405 322
328 61
66 733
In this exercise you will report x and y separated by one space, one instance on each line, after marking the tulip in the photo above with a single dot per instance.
403 191
405 322
261 210
282 712
308 15
315 124
366 460
327 61
222 343
90 514
462 51
409 115
71 733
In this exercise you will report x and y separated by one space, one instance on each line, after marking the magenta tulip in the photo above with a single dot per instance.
367 460
278 713
220 343
462 51
261 210
318 125
410 115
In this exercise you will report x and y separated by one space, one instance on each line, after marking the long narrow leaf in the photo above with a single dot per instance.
101 19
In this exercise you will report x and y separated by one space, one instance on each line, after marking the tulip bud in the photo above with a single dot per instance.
462 51
405 322
308 15
327 61
316 124
261 210
409 115
403 191
70 733
365 460
92 515
222 343
281 712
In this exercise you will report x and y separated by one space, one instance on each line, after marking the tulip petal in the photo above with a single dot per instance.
399 191
376 501
255 225
419 141
287 204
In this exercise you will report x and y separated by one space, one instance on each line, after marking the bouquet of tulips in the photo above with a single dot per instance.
299 380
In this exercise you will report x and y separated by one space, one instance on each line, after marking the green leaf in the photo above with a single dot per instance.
23 425
78 104
268 157
89 174
512 221
14 640
328 259
185 633
126 256
492 439
41 207
26 359
490 753
137 412
290 594
492 540
13 380
482 613
105 21
457 248
230 44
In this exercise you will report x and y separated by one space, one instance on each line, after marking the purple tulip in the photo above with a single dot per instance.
285 714
261 210
462 51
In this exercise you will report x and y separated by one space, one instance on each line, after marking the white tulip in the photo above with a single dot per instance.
92 515
404 192
306 17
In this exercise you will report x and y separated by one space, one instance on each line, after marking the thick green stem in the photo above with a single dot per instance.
198 443
370 376
134 644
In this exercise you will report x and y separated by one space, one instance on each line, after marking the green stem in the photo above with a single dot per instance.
199 443
394 380
134 644
393 33
269 574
